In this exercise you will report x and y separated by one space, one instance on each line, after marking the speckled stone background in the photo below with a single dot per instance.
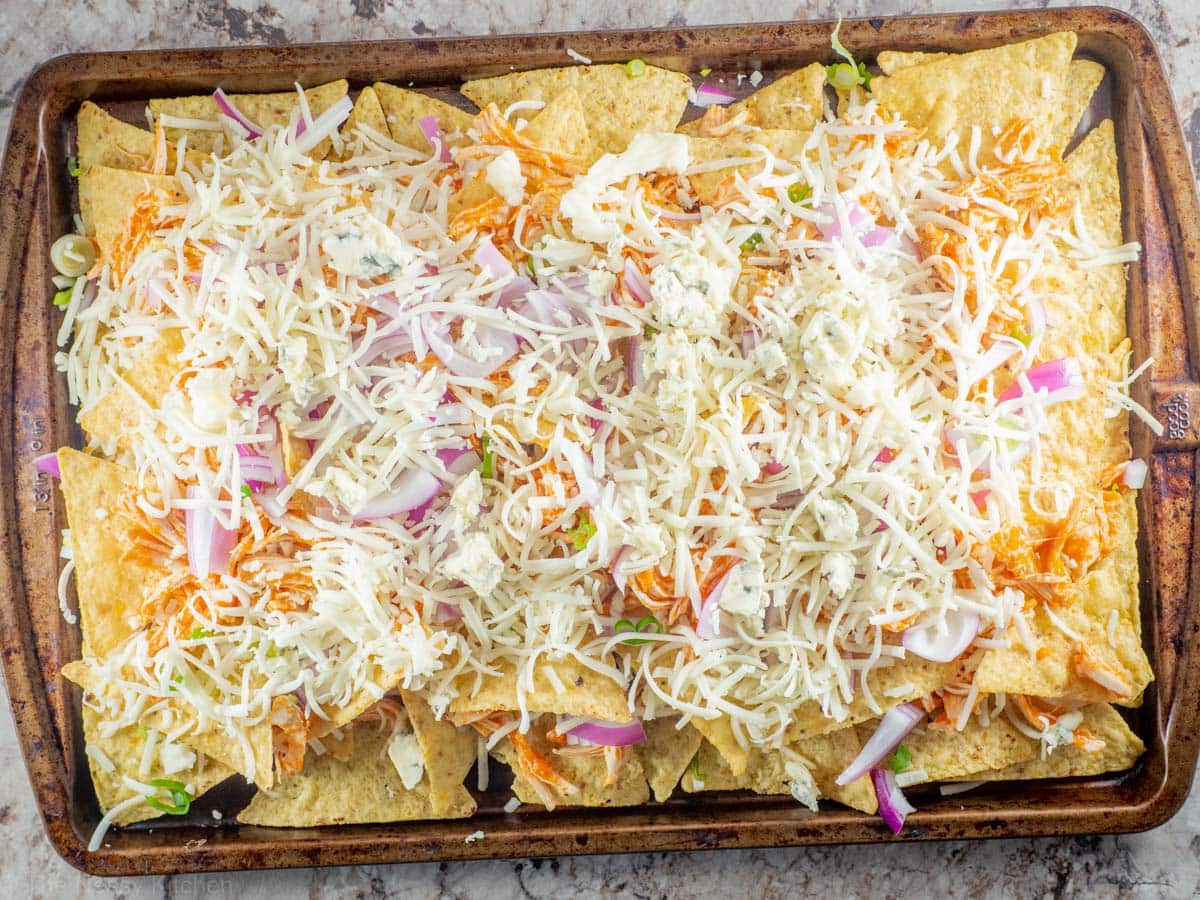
1162 863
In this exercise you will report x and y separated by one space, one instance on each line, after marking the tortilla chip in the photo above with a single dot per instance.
104 140
264 110
586 693
586 772
106 196
744 153
719 733
1083 78
404 109
794 102
365 789
1121 749
615 105
228 750
367 112
110 421
830 754
339 744
892 61
943 755
985 88
358 704
666 753
124 749
110 589
449 751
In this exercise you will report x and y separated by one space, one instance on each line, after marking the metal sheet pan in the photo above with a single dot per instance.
35 205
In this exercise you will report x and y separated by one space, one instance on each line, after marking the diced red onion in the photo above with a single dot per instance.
413 488
608 734
877 236
749 340
1134 476
437 139
894 807
858 218
228 109
990 360
490 259
773 467
547 307
209 545
1061 379
709 95
461 461
635 282
634 373
323 125
708 623
448 613
979 498
256 467
597 404
895 724
886 455
928 642
48 463
468 367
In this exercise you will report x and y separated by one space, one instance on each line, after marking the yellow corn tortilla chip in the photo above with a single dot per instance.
1121 749
719 734
228 750
449 751
588 773
110 589
1049 669
110 421
264 110
666 753
362 700
104 140
794 102
339 744
943 755
367 112
404 109
365 789
949 96
124 749
744 153
106 196
615 105
585 692
892 61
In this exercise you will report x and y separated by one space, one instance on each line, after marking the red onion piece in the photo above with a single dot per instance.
547 307
209 545
858 218
886 455
708 623
773 467
928 642
323 125
448 613
979 498
709 95
491 260
609 734
597 404
228 109
48 463
257 468
466 366
635 282
1134 476
895 724
1061 379
460 461
749 341
634 372
877 236
437 139
894 807
412 489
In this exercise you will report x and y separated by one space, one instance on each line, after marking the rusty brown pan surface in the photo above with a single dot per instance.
35 205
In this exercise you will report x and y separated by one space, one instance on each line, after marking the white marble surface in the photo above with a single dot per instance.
1162 863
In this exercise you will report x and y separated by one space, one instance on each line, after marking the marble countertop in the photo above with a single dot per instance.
1162 863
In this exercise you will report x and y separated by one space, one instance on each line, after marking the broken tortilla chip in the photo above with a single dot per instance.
943 755
104 140
794 102
403 111
106 197
666 753
584 692
449 751
367 113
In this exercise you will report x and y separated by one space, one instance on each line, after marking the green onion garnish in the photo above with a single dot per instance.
583 531
73 168
63 297
181 800
695 767
901 760
487 468
529 264
842 76
649 331
798 193
635 68
864 76
199 633
706 71
1019 333
644 625
246 490
272 651
750 243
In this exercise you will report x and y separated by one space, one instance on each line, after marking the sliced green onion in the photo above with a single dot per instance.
181 800
842 76
798 193
649 331
901 760
864 76
635 68
73 168
750 243
272 650
529 264
63 297
695 767
645 625
246 490
487 468
706 71
199 633
583 531
1019 333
